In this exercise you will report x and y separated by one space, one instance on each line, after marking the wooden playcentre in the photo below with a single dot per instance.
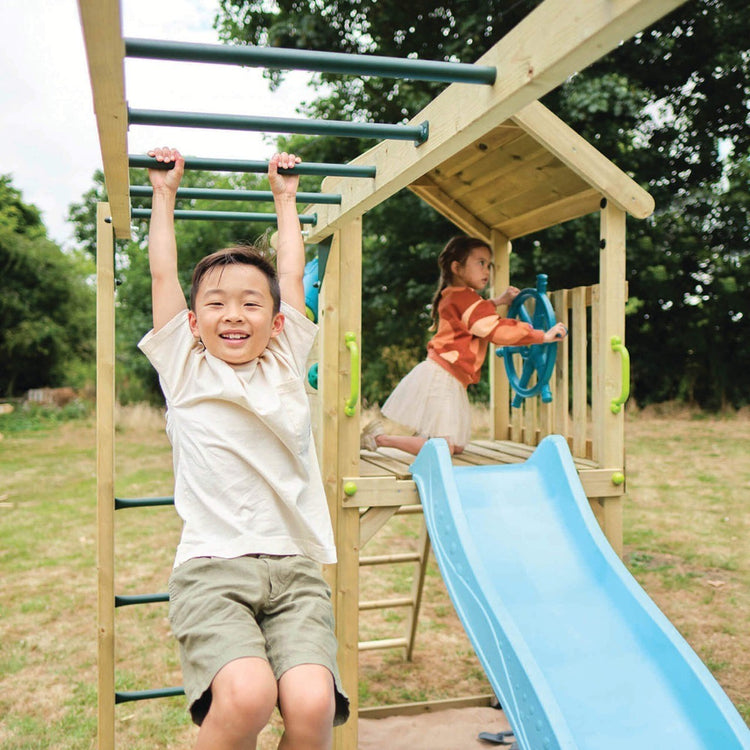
499 165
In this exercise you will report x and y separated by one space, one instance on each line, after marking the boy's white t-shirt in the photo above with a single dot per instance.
247 479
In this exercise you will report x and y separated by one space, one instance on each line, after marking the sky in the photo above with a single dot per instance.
48 138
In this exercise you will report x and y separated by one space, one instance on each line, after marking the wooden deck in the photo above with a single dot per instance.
386 472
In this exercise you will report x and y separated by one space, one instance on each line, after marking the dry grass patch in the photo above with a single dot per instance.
687 532
687 540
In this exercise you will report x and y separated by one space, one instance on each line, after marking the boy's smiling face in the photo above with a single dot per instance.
233 314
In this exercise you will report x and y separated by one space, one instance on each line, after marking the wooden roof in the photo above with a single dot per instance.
527 174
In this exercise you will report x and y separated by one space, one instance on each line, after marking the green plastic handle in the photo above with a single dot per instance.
618 346
350 339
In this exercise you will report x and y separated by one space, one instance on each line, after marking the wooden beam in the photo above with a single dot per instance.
559 38
105 50
434 196
423 707
581 157
392 494
499 383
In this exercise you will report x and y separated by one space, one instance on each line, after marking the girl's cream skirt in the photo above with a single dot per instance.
431 402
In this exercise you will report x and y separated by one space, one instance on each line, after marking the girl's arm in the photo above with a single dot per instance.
166 293
506 297
557 333
290 248
480 318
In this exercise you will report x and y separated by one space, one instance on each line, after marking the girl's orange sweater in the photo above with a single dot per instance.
467 324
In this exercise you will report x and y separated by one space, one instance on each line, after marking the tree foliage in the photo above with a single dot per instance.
669 107
665 107
46 305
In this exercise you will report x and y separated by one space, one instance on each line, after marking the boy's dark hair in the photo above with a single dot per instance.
246 254
458 249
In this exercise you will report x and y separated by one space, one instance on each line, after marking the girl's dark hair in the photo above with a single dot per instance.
457 249
247 254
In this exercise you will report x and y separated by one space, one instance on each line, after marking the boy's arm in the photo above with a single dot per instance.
167 296
290 248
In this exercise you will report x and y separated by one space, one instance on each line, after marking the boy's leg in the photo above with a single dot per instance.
243 696
307 703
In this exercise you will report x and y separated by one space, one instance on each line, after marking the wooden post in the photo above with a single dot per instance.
105 474
609 428
579 367
417 589
499 385
561 389
340 313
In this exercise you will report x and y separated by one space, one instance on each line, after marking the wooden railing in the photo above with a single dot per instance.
569 412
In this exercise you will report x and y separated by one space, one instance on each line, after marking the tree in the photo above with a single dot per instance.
661 106
46 304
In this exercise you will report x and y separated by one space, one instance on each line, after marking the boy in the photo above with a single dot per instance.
248 604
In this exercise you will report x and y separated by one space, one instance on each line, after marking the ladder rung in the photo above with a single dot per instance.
384 643
124 601
144 695
387 559
407 510
404 601
142 502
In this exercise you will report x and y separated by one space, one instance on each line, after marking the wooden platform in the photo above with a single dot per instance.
385 477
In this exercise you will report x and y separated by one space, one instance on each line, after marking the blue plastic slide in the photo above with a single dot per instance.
576 652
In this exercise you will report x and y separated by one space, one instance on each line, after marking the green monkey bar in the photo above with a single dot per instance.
144 191
145 213
321 169
323 62
417 133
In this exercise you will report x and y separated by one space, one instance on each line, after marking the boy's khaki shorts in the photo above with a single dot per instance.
277 608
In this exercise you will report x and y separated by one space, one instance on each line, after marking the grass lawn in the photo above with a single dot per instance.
687 541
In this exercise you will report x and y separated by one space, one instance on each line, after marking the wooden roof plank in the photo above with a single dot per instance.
580 156
105 51
515 199
545 177
554 213
451 209
496 139
496 166
557 39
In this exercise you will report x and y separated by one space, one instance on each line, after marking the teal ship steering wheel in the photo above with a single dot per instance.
531 306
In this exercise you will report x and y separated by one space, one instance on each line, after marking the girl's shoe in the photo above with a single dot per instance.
371 431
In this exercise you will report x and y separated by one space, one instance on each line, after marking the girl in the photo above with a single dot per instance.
432 398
